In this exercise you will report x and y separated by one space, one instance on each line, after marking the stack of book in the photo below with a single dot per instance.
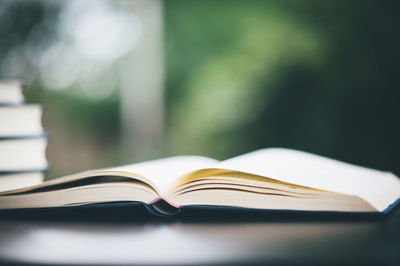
22 139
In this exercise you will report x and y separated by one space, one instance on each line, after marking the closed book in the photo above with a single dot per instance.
17 179
22 138
21 119
11 91
23 153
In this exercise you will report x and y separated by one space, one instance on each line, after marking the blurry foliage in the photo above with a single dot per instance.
313 75
221 91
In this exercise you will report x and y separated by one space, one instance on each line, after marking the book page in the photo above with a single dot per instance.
301 168
163 172
158 174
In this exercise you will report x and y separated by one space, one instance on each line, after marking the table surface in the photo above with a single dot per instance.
130 235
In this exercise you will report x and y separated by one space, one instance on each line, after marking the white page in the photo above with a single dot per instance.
21 120
379 188
164 171
11 92
23 154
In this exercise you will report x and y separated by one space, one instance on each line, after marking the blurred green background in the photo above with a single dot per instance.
238 75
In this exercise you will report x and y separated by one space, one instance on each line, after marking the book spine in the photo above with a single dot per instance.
391 207
10 172
162 208
45 135
24 103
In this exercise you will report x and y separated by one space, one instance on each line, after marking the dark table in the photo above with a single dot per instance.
130 235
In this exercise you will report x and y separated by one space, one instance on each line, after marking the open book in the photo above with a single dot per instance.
267 179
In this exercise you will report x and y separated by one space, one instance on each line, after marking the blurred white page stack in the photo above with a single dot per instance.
22 139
